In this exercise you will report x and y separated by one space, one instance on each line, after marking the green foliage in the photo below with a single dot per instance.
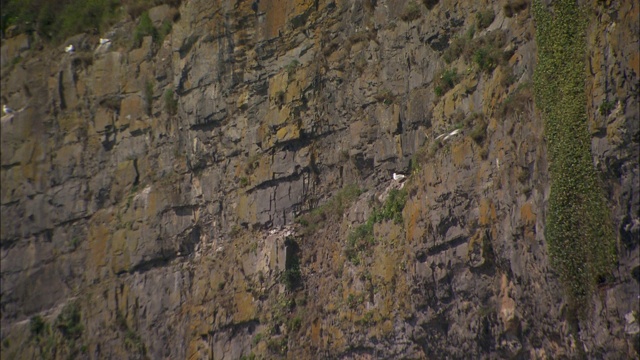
144 28
277 345
170 102
332 209
579 230
68 322
56 20
354 300
37 326
479 127
292 277
606 107
362 237
291 67
485 18
392 208
446 81
148 96
411 12
163 31
295 324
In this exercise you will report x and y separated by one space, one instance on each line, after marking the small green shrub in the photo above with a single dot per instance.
411 12
446 81
479 131
606 107
148 96
291 67
295 324
292 277
362 237
485 18
170 102
37 326
332 209
68 322
392 208
277 346
163 31
144 28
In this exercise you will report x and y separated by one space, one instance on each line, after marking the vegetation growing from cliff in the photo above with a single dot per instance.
56 20
578 230
361 238
333 207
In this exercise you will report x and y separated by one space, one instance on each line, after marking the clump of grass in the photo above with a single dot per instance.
446 81
478 127
485 18
411 12
170 102
291 67
68 322
144 28
385 96
332 209
147 94
579 229
362 238
606 107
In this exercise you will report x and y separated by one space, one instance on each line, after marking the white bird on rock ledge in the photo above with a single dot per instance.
104 41
69 49
398 177
7 110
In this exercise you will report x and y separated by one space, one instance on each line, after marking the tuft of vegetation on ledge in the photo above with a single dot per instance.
579 230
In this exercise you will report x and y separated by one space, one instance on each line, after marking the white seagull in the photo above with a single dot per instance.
104 41
398 177
69 49
6 109
454 132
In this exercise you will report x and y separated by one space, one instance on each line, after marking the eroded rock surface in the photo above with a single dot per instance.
171 227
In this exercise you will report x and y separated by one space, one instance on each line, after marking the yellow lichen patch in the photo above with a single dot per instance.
315 332
246 209
119 252
527 214
507 304
288 132
386 264
246 310
487 212
459 152
98 239
277 86
412 214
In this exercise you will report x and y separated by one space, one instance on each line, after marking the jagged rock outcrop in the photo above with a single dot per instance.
150 194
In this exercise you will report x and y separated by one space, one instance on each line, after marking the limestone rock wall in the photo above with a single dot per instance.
155 189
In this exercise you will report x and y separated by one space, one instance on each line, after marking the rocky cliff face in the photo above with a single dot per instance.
150 195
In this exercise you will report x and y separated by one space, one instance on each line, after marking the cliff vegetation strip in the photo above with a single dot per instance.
579 229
